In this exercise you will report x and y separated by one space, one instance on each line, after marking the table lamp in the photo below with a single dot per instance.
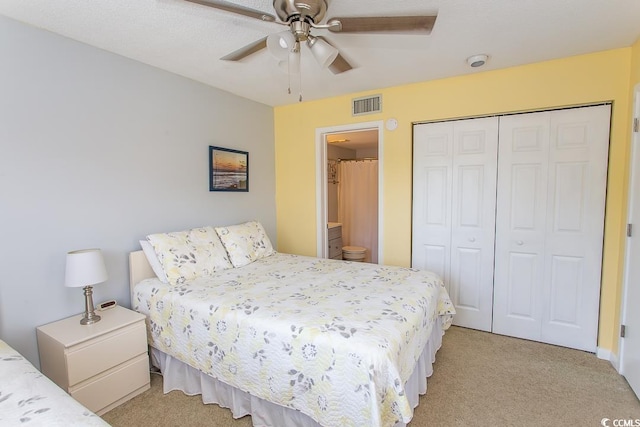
85 268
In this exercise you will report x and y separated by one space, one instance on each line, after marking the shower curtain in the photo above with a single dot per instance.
358 205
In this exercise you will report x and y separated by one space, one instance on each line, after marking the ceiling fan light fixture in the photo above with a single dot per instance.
301 16
476 61
279 44
322 51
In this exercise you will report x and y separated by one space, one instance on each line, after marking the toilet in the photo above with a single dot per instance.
354 253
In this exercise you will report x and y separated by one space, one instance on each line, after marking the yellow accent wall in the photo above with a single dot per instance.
603 76
635 64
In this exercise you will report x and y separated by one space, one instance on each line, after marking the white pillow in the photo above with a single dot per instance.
245 243
186 255
154 262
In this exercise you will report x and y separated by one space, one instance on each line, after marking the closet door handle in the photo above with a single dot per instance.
472 239
519 243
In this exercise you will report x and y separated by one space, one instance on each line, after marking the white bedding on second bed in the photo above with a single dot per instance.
336 341
27 397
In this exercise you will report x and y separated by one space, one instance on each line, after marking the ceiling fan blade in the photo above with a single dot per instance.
243 52
241 10
339 65
383 24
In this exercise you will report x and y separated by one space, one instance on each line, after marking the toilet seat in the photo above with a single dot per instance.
354 253
353 249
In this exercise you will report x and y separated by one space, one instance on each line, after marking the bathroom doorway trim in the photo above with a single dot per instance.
321 182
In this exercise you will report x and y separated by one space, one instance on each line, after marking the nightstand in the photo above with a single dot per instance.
334 237
101 365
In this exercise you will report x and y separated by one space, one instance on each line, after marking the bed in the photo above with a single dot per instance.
290 340
29 398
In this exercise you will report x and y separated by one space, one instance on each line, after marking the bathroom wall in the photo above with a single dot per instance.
364 153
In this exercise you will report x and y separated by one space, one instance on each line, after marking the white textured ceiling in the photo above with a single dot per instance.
188 39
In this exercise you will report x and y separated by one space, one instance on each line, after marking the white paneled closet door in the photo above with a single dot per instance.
630 343
432 169
550 215
454 194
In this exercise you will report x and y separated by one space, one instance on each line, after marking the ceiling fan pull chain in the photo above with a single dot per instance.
300 83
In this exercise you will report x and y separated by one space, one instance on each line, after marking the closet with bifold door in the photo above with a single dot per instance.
509 210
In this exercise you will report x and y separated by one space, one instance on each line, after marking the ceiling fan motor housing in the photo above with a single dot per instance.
288 10
300 30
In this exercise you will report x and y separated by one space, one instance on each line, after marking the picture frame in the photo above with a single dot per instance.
228 169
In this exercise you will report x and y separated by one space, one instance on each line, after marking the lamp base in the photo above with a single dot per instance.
90 317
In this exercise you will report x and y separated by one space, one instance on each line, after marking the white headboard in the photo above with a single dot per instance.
139 269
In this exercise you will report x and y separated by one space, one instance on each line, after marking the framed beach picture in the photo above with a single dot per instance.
228 169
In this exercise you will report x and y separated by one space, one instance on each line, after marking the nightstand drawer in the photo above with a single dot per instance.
120 384
334 233
335 248
103 354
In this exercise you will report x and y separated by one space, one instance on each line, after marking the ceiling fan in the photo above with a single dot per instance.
301 16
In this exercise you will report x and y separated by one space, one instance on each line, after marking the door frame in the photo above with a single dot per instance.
633 170
322 249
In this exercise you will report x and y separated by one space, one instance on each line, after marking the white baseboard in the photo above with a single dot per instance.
605 354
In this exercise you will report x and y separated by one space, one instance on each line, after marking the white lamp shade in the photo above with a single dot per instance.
84 268
324 53
280 44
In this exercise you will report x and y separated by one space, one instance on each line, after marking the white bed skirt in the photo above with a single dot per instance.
180 376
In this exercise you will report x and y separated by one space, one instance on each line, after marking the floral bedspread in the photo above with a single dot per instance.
335 340
29 398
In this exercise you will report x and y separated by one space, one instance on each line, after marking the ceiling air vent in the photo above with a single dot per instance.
367 105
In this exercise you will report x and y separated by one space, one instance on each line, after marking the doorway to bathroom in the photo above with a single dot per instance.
349 192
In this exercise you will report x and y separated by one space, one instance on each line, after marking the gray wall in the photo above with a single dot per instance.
98 151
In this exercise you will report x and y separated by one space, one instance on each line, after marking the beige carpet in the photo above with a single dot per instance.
479 379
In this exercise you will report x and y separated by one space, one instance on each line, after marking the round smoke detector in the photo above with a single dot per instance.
476 61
